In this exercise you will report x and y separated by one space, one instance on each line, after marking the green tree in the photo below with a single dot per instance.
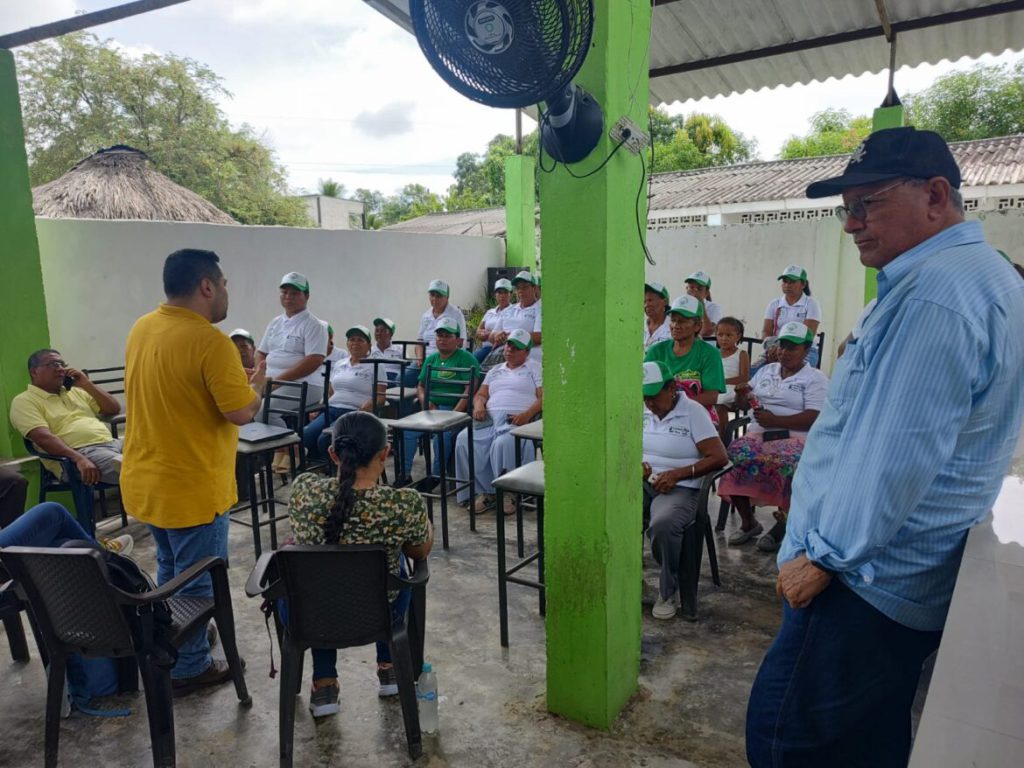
373 204
684 142
331 188
79 94
833 132
411 201
979 103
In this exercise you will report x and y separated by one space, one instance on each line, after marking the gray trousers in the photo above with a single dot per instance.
106 456
671 513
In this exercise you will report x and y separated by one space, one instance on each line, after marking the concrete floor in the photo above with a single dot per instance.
688 709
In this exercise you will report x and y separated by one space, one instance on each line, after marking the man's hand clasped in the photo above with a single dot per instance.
800 581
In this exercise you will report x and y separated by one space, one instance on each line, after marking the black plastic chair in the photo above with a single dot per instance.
337 598
11 607
733 429
85 507
78 610
696 537
112 381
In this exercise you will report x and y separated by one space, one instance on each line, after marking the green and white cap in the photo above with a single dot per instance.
243 333
330 328
520 338
700 278
503 284
438 286
687 306
524 276
655 376
796 332
794 272
362 330
657 287
447 324
387 322
296 280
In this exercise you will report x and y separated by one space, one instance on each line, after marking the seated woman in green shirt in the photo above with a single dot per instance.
351 508
695 364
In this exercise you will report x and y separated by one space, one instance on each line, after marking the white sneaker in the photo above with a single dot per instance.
665 609
119 545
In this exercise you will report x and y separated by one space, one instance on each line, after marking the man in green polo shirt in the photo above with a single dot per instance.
695 364
445 385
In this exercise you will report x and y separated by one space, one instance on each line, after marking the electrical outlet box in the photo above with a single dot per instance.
635 139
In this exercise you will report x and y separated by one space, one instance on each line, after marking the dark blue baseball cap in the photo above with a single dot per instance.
893 153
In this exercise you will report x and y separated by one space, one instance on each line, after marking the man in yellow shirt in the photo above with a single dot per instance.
187 395
59 412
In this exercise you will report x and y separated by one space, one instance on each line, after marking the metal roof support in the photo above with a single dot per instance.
83 21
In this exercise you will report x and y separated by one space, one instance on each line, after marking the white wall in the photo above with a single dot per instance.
744 261
333 212
99 276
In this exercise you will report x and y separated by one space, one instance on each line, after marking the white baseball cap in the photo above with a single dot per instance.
502 284
524 276
700 278
295 280
687 306
243 333
438 286
794 272
520 338
796 332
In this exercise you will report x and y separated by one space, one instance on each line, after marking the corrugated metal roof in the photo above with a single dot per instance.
700 33
488 222
983 163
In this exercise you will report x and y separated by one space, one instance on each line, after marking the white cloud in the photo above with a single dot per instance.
21 14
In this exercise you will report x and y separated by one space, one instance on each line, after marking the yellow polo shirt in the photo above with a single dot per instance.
182 375
70 415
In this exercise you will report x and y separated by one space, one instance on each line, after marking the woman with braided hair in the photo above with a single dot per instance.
352 508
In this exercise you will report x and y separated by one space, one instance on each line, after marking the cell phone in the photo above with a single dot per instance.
775 434
68 382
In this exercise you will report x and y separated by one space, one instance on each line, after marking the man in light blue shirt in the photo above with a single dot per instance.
908 453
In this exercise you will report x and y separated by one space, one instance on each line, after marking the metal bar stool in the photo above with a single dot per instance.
534 431
527 480
257 444
276 391
437 422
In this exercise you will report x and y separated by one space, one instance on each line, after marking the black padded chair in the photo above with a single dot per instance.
289 392
337 598
78 610
83 495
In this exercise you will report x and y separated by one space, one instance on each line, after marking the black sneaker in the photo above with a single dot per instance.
388 680
427 484
324 701
402 481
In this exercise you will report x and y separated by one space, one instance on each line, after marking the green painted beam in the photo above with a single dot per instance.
520 207
884 117
593 275
23 306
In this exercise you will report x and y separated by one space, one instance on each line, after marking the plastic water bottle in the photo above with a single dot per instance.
426 696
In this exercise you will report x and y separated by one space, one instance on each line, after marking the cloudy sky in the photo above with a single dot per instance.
341 92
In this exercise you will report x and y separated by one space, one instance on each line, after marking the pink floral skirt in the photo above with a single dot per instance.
762 471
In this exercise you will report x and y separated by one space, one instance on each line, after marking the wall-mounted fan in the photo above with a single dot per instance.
516 53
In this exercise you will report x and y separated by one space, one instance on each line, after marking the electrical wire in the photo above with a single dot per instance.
636 208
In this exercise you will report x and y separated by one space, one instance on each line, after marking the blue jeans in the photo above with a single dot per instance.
836 687
410 439
482 353
176 550
314 440
45 525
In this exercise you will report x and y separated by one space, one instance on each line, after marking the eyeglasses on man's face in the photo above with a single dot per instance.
858 209
55 364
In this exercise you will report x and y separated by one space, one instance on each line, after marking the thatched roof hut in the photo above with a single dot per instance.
119 183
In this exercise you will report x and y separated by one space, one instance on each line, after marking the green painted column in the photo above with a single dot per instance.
23 323
884 117
593 280
520 204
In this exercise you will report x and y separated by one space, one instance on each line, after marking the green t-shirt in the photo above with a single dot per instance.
701 365
439 389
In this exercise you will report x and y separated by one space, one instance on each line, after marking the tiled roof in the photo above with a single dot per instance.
985 162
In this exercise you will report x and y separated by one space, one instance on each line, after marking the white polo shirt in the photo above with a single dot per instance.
289 339
713 310
512 390
393 351
671 442
352 384
780 312
527 318
428 321
804 390
662 333
491 316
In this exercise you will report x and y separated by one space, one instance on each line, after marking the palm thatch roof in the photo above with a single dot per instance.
119 183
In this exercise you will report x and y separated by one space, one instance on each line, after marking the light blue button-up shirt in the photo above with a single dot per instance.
922 415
